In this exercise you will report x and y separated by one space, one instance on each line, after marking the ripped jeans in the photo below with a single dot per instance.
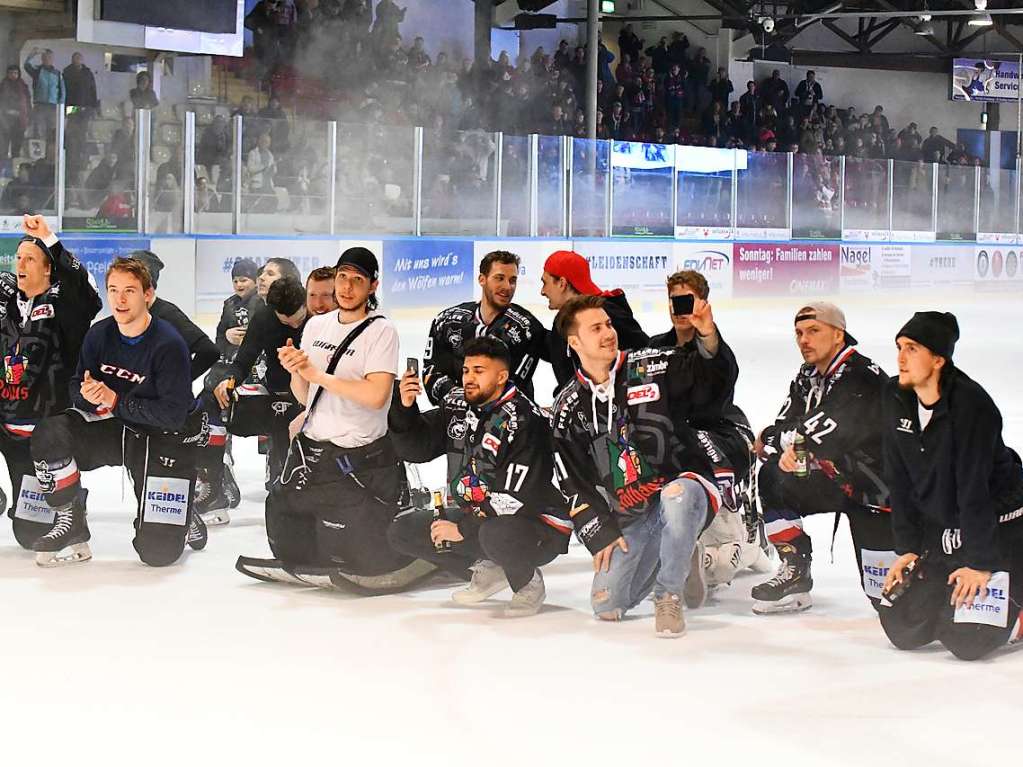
661 545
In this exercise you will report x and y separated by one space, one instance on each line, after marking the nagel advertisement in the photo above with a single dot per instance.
770 269
866 268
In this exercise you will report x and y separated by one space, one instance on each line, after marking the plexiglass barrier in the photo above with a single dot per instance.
196 168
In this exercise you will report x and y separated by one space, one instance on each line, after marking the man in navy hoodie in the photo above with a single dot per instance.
132 405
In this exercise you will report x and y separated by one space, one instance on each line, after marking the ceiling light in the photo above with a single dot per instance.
981 20
924 29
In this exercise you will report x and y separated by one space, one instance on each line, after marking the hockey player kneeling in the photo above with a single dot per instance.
957 503
328 511
511 520
642 488
132 405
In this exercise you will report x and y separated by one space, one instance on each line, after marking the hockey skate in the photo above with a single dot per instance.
388 583
487 579
197 536
230 489
789 590
68 540
268 571
210 504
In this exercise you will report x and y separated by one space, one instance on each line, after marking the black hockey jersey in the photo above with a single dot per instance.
265 335
236 313
839 413
521 332
616 452
500 459
42 339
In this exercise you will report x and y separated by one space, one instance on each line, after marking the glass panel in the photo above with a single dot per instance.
166 170
866 194
704 187
911 206
642 189
515 187
375 173
589 187
816 197
997 201
550 192
763 197
956 194
284 176
458 182
101 186
214 171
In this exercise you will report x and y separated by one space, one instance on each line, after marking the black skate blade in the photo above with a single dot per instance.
388 583
267 571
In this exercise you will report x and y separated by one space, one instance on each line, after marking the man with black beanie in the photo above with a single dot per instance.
46 307
957 502
202 351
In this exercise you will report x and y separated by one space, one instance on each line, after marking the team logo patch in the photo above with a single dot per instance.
491 444
634 481
44 312
470 488
456 428
15 366
166 501
905 426
637 395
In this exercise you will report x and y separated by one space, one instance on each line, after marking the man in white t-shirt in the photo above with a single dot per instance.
327 517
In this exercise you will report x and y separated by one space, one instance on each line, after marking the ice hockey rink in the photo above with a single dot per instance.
110 661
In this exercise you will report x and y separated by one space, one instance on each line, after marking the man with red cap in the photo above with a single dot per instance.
957 502
566 274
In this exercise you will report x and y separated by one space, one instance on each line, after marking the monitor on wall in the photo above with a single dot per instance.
185 26
216 16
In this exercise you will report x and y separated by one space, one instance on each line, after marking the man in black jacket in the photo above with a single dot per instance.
957 502
202 351
834 407
133 406
732 542
511 519
46 308
566 274
630 464
494 315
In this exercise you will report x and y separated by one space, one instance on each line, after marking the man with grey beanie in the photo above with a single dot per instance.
956 499
823 455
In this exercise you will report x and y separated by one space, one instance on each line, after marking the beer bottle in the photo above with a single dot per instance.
441 547
802 461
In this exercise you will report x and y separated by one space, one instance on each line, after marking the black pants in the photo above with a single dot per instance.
161 466
31 516
924 615
517 543
786 499
331 507
252 416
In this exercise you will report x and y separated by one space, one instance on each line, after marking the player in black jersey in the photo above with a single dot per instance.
494 315
46 307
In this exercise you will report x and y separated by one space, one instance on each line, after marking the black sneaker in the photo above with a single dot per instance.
789 590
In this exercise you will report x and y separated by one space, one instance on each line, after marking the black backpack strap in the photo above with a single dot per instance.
338 353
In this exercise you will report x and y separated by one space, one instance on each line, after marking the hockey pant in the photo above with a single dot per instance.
161 466
517 543
923 614
253 415
31 516
331 507
786 499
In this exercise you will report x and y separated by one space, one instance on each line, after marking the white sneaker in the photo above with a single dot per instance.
528 600
487 580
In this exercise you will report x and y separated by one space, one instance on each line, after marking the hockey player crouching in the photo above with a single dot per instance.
641 487
957 502
329 509
511 520
133 406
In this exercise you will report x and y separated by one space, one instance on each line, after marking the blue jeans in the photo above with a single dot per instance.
661 545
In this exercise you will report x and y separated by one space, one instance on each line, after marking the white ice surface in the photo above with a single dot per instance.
112 662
